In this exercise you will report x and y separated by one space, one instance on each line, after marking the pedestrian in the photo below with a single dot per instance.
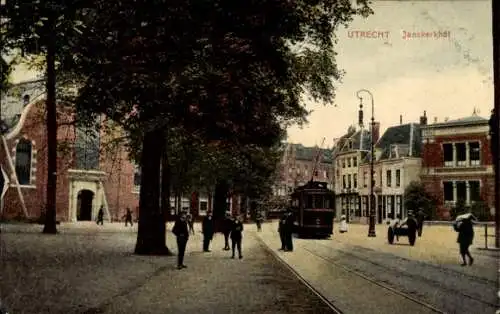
258 221
281 231
411 223
181 232
208 231
420 221
190 221
227 224
100 216
343 224
289 231
128 217
465 228
236 236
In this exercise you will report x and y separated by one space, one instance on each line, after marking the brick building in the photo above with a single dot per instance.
457 163
90 175
296 168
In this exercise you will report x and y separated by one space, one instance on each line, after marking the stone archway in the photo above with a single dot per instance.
85 201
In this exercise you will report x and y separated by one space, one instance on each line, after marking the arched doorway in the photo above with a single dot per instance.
84 205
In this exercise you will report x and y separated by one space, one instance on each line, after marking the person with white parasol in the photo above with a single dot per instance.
464 226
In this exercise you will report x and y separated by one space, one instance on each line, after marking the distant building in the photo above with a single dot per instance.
457 163
397 164
349 150
297 166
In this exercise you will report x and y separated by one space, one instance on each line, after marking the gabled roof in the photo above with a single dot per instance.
470 120
309 153
360 140
404 136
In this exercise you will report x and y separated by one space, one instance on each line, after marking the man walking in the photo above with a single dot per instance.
100 216
258 221
464 226
128 218
236 236
227 225
289 231
208 231
181 232
420 221
190 223
281 231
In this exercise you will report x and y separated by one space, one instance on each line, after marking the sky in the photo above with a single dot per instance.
448 74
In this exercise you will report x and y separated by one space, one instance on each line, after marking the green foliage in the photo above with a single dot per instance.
480 210
416 197
459 208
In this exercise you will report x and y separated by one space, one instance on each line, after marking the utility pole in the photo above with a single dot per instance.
496 82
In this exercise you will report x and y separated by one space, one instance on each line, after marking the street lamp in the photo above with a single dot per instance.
371 228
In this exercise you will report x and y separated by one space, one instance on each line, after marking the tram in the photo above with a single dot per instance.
313 206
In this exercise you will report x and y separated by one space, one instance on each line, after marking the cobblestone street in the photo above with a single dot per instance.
91 269
367 275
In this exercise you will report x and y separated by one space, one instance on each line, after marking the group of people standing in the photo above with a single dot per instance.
232 227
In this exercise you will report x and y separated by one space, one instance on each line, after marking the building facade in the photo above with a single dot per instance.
397 163
457 163
89 175
349 151
297 166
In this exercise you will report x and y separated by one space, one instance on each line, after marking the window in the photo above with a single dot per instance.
461 190
343 162
203 206
365 179
448 155
398 178
318 201
26 99
355 180
355 161
344 184
448 191
389 178
399 199
475 191
461 154
87 144
350 145
349 162
474 153
23 161
348 181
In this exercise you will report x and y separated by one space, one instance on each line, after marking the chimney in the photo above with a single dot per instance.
423 119
376 131
400 119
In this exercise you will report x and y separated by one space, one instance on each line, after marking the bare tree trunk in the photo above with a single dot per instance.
51 123
151 234
165 186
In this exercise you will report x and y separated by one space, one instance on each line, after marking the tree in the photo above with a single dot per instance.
229 73
416 197
480 210
44 27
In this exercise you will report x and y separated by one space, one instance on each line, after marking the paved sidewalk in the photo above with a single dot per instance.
90 269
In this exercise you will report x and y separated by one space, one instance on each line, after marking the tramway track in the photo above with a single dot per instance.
387 286
330 304
436 267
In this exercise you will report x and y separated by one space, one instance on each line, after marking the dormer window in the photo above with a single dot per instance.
350 145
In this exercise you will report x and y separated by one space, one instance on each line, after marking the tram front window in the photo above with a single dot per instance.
318 201
327 202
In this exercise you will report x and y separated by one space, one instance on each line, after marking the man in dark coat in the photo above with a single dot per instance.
412 224
258 221
420 221
208 231
100 216
465 238
227 225
181 231
281 231
289 230
236 236
128 217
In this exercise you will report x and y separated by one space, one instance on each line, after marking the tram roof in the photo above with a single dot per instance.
314 185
